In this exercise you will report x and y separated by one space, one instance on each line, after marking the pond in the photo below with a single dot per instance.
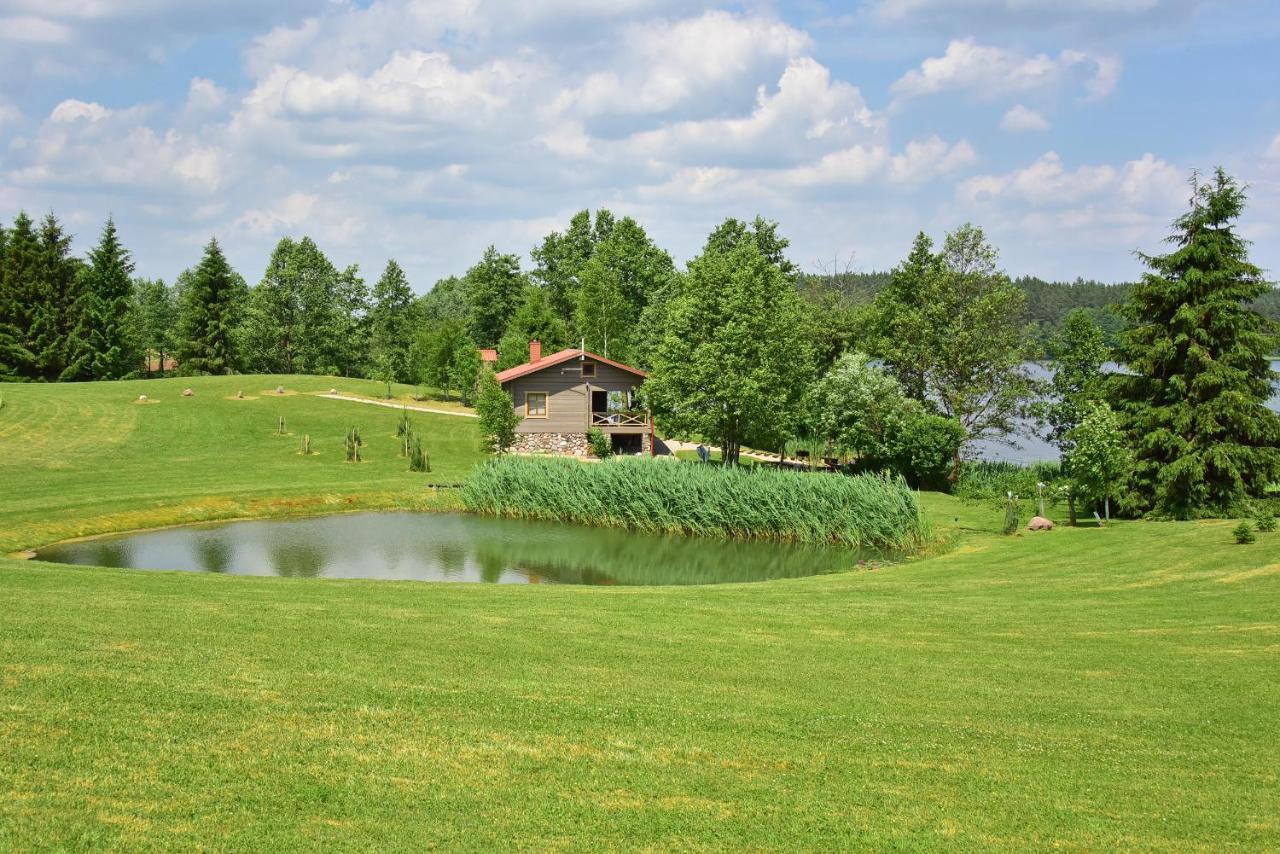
452 547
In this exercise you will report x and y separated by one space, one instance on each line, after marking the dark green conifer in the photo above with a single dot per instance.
56 314
213 297
102 346
1194 405
19 286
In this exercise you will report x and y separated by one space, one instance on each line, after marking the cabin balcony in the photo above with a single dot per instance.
638 420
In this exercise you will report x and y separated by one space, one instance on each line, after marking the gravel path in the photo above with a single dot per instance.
408 406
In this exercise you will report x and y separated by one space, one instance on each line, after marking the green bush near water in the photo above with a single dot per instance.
657 495
983 479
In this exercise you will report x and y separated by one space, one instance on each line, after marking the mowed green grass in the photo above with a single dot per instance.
1085 689
71 455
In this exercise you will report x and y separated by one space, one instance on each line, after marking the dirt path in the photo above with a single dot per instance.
677 445
409 406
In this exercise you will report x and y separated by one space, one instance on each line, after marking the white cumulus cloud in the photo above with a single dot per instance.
1022 119
985 71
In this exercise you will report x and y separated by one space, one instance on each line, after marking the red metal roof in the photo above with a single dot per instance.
557 359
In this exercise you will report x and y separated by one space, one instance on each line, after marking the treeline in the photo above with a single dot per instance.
601 281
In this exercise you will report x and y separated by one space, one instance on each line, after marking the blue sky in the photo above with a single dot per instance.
425 130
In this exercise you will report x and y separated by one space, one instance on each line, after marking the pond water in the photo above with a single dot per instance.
452 547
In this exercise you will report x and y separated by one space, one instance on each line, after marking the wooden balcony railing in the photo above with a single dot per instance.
619 419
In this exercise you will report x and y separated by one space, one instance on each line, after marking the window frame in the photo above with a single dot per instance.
592 366
546 404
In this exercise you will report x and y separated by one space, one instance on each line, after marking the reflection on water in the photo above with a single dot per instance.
452 547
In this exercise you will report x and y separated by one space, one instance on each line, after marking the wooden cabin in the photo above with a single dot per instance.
562 396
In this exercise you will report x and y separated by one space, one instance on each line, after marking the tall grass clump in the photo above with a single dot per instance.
982 479
871 511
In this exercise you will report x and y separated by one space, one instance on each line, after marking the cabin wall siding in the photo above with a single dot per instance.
568 398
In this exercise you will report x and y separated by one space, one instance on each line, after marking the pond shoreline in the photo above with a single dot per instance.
432 546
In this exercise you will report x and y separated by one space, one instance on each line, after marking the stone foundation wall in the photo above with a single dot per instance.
551 443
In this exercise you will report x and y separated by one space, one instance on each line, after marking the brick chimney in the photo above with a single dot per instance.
535 351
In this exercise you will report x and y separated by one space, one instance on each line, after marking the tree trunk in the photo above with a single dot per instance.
1071 509
955 469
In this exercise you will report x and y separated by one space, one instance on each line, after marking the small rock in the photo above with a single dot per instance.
1039 523
142 398
186 392
333 391
279 389
240 395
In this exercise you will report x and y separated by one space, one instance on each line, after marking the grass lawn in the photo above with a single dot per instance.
1088 688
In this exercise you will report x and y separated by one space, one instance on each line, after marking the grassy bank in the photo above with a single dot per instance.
1084 689
86 458
670 498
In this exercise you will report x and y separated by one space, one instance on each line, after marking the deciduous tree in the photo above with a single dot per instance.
497 415
495 289
733 362
1100 458
948 326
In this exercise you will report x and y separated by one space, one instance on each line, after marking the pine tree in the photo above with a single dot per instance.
56 317
19 291
1193 406
391 320
213 298
101 346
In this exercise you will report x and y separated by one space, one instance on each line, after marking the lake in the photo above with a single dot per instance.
407 546
1032 449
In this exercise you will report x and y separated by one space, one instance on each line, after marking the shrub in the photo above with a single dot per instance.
599 443
1266 523
353 444
735 502
1244 534
418 459
923 449
1012 514
498 418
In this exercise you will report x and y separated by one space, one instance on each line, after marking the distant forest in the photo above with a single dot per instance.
1047 305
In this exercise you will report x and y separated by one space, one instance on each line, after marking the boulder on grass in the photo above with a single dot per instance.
1039 523
186 392
142 398
279 389
240 395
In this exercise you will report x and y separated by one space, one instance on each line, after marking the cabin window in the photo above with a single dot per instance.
588 369
535 404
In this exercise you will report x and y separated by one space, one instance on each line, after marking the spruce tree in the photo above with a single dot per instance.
56 313
19 290
102 345
391 321
1193 407
213 298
